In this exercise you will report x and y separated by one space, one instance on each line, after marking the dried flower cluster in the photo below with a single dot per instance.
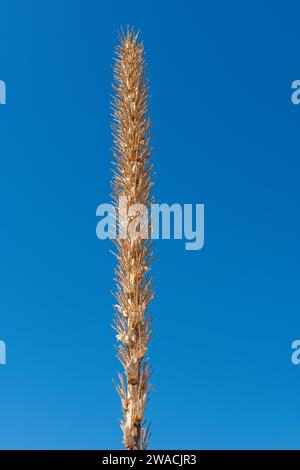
133 180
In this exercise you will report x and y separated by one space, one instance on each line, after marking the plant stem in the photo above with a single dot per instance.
132 181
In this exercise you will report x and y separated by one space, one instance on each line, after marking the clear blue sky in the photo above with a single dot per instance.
227 135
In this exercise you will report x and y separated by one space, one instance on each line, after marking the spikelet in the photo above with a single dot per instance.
132 180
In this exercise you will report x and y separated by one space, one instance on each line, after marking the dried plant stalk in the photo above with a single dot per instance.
132 180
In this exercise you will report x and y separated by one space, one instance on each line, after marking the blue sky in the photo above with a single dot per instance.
227 135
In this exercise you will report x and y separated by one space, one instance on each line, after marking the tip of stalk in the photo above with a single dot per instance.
128 35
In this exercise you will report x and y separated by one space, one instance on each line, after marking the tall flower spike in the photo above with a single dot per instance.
132 182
